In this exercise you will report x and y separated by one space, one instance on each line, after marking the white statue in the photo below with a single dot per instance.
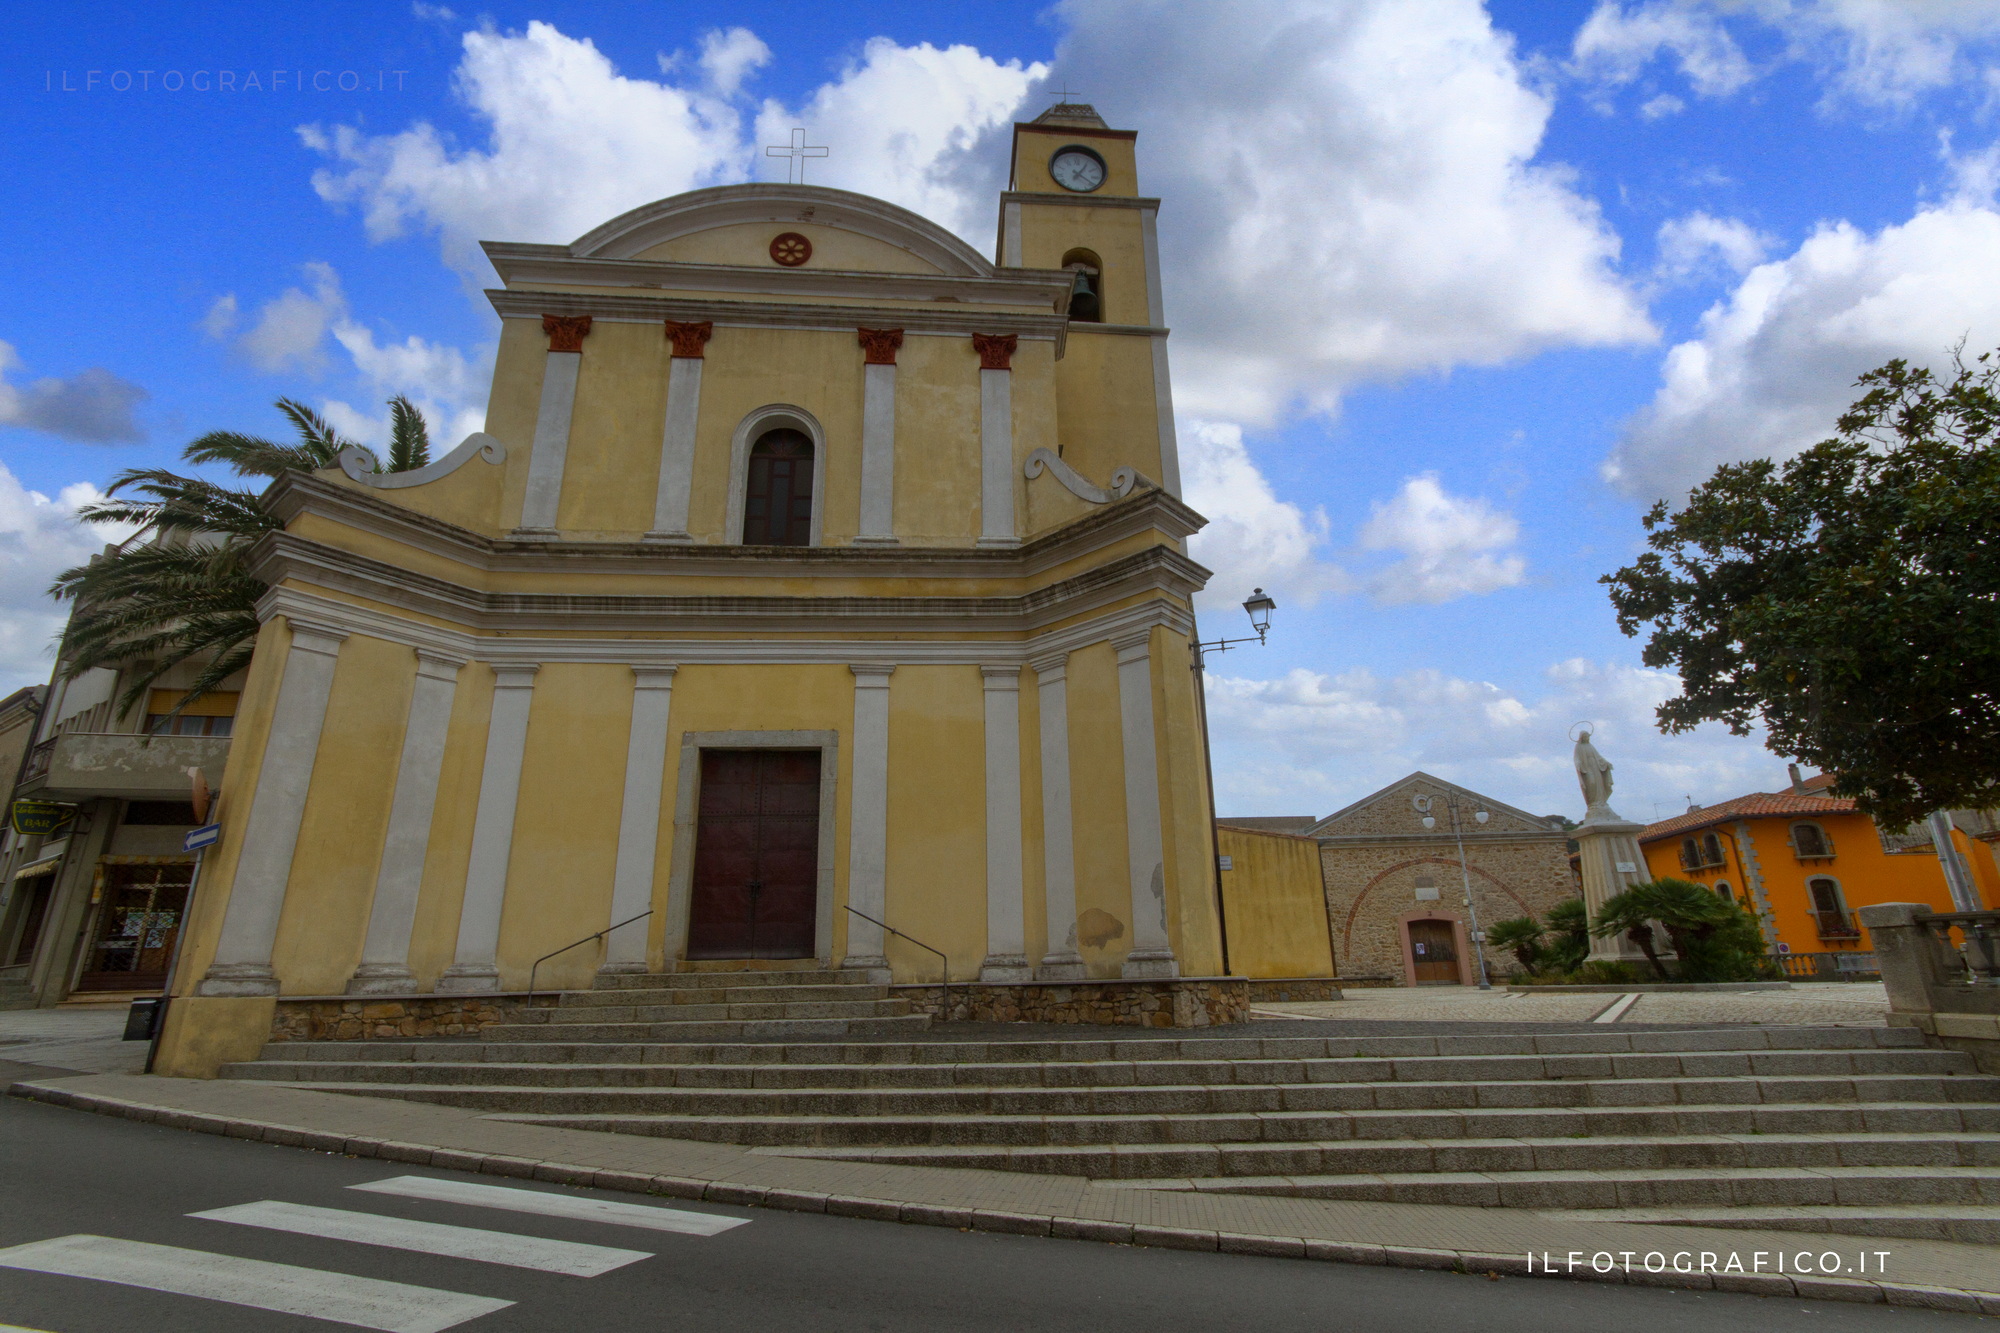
1593 774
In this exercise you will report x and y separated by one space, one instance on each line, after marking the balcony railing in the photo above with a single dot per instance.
80 765
1836 926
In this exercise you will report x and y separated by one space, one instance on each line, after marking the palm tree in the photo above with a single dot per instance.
1692 916
1521 936
187 595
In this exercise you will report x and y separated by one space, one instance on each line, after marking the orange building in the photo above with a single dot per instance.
1805 861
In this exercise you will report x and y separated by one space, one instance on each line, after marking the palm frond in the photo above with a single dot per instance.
409 437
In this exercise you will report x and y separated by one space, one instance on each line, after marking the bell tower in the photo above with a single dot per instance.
1073 203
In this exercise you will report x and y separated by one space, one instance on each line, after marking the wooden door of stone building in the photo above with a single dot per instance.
756 851
1434 953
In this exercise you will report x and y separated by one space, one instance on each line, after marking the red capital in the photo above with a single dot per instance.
878 346
566 332
689 339
996 350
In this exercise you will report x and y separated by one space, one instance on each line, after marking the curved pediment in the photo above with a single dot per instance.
885 236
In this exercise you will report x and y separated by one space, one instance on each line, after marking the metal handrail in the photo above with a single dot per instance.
567 947
944 986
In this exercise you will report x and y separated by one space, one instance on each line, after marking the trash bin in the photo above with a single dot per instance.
143 1020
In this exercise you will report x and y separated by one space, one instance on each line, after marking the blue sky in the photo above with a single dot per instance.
1456 289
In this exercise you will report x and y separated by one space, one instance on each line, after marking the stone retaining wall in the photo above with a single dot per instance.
1279 990
1184 1002
359 1018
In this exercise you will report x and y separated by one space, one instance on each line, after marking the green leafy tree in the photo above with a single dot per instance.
1520 936
1848 598
1569 936
1714 939
187 595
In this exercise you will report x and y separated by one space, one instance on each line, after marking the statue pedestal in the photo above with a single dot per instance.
1609 856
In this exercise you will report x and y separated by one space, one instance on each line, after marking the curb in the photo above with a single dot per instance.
737 1194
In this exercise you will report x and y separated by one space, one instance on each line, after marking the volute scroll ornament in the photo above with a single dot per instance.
1124 481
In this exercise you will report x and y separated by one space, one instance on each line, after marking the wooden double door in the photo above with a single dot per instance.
756 855
1434 953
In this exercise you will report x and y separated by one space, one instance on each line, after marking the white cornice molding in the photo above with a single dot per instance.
479 443
728 205
554 264
950 320
867 654
1140 202
1156 571
296 493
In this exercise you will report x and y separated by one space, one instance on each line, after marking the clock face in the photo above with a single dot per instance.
1077 169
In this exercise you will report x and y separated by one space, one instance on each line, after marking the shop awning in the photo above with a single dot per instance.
46 866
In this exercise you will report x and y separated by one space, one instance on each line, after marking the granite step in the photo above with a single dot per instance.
721 994
1964 1224
760 1029
712 1013
700 980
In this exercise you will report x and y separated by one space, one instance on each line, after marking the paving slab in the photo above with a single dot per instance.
1938 1274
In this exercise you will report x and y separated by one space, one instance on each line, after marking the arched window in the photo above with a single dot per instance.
1086 300
1829 911
1690 854
1724 892
1711 847
778 492
1810 840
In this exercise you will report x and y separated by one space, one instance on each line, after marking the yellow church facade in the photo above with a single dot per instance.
817 585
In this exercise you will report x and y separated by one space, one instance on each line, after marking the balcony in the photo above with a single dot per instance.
1836 926
81 765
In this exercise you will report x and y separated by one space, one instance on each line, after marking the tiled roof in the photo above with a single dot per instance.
1269 823
1758 804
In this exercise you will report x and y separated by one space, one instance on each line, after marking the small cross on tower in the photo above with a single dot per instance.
795 170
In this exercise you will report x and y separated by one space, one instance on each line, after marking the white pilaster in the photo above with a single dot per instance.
868 815
1010 234
242 963
996 458
670 502
1152 946
639 818
1006 927
475 965
551 450
385 957
1062 962
878 456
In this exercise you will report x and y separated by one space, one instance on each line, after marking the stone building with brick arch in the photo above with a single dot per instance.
1395 897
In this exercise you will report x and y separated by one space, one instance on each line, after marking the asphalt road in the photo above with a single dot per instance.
66 1173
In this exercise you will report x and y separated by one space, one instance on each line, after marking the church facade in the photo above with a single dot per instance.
815 579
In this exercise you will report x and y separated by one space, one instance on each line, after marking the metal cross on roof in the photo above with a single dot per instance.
1059 95
795 170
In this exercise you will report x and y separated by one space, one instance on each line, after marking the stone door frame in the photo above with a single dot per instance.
1461 942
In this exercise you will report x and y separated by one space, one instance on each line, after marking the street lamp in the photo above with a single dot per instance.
1423 805
1258 606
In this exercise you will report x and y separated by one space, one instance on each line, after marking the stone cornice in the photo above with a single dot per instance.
283 557
1443 843
632 308
1078 200
296 493
1047 288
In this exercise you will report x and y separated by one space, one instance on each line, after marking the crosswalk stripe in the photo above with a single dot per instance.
488 1247
555 1205
393 1307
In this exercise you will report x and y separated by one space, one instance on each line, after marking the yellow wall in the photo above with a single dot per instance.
1097 805
937 817
748 244
1276 903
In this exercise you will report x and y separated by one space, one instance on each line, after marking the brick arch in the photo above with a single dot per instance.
1347 932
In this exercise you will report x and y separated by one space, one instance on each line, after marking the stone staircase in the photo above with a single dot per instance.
1861 1131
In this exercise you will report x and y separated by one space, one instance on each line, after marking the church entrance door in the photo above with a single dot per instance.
1434 952
756 855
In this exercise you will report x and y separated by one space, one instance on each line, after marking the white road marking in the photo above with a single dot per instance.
393 1307
555 1205
488 1247
1616 1009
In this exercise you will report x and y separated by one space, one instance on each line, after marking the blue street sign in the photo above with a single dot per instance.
204 836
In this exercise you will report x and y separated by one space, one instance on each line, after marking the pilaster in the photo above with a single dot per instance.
676 484
552 420
868 815
996 439
242 963
475 964
1006 929
639 818
1062 962
878 436
1152 952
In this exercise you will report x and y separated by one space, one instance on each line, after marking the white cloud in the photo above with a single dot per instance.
1351 194
903 120
92 406
730 57
571 143
1658 108
1451 546
292 326
1310 742
220 321
1252 538
39 538
447 386
1877 53
1774 363
1691 245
